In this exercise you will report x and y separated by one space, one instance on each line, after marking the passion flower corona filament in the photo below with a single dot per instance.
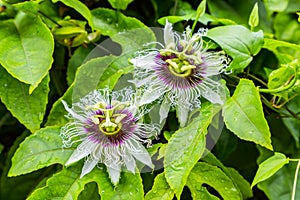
181 72
105 124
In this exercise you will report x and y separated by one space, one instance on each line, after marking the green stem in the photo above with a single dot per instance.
294 160
52 20
258 80
175 7
295 180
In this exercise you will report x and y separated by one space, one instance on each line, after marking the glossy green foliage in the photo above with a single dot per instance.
29 109
191 140
269 167
22 41
241 49
244 116
60 50
39 150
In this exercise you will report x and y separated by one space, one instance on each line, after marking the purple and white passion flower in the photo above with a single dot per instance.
179 73
106 126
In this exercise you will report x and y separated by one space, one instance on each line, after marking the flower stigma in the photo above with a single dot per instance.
109 122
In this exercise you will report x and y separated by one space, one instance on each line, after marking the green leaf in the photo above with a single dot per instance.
21 43
67 184
239 43
17 188
186 147
110 22
88 76
129 187
280 185
240 183
254 17
175 19
30 7
286 27
281 77
223 9
120 4
160 190
39 150
1 148
79 7
28 109
276 5
204 173
90 192
284 51
269 167
77 60
243 115
58 111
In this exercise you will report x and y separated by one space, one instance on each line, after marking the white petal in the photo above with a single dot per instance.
146 61
164 109
214 92
75 115
142 154
149 96
114 174
88 166
83 150
130 164
139 82
169 35
182 115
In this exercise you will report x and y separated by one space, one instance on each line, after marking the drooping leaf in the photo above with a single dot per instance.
204 173
28 109
243 115
39 150
21 43
280 185
79 7
239 43
186 147
160 190
120 4
269 167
